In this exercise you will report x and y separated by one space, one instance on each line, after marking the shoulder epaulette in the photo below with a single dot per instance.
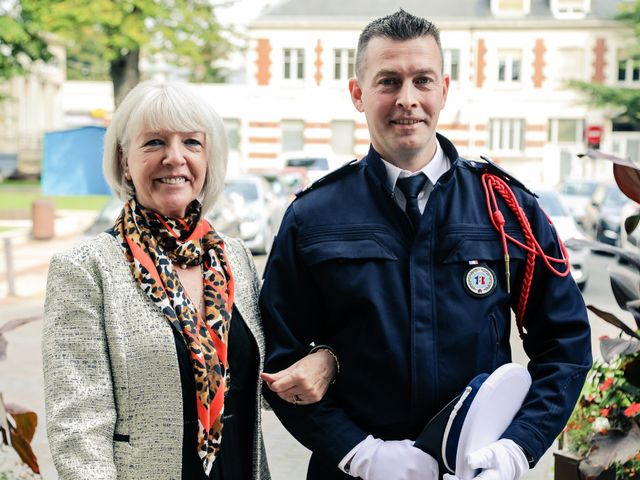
332 176
491 167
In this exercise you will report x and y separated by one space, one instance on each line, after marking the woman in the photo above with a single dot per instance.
152 340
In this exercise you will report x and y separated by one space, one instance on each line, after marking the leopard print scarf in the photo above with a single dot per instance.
153 244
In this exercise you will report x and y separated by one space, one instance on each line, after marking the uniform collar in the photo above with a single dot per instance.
377 167
438 165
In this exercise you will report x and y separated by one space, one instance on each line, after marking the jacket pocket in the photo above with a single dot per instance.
359 245
463 243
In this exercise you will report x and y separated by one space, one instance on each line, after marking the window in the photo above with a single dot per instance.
570 8
628 68
509 63
506 134
510 7
571 65
452 64
232 126
565 130
293 63
344 63
342 136
627 145
292 135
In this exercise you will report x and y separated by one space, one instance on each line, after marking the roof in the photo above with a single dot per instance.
338 11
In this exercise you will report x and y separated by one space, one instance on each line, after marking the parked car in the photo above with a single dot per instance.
629 241
224 218
603 213
285 183
316 166
260 211
575 194
567 228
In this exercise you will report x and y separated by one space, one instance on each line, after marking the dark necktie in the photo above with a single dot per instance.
411 188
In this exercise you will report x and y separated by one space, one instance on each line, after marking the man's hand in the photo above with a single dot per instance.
392 460
306 381
501 460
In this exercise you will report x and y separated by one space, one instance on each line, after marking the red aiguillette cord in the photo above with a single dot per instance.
492 184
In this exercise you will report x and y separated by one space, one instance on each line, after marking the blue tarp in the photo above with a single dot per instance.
72 162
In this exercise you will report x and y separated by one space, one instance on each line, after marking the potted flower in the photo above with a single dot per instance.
603 431
602 437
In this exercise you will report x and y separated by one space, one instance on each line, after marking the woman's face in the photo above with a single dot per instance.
167 169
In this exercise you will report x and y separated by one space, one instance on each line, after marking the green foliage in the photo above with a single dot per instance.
21 41
85 62
627 99
102 31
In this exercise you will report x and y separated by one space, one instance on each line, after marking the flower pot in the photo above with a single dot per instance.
566 467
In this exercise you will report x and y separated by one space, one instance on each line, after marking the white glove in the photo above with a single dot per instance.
376 459
501 460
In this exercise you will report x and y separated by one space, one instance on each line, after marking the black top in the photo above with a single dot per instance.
233 461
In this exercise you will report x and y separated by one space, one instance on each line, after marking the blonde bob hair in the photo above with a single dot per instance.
165 106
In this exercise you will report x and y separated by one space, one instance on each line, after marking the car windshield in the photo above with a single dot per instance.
247 190
551 204
309 163
614 198
579 188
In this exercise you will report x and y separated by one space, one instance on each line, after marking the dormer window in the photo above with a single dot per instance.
570 8
510 8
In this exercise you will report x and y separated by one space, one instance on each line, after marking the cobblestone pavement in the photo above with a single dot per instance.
21 372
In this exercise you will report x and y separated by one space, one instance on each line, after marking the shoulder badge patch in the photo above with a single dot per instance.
479 280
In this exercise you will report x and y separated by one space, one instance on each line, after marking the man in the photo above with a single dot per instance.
394 263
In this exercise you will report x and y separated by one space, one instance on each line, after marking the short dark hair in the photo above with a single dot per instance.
397 26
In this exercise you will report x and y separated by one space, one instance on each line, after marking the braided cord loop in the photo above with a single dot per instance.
494 184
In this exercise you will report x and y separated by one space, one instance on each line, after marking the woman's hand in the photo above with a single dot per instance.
306 381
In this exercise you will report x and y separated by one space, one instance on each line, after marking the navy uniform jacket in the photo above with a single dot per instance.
347 270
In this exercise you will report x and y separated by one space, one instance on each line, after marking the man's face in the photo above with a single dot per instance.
401 93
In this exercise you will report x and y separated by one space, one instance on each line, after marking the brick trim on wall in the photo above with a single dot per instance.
481 63
254 124
318 63
263 155
538 63
599 60
263 61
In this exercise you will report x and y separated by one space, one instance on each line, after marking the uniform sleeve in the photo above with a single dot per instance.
558 344
79 400
292 315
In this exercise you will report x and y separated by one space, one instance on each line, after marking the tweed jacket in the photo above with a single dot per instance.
112 385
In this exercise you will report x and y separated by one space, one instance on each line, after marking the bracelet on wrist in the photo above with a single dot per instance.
330 351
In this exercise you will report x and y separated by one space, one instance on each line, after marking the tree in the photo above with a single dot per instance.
20 41
185 32
627 99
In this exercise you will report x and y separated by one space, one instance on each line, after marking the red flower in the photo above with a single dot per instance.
606 384
632 410
604 412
